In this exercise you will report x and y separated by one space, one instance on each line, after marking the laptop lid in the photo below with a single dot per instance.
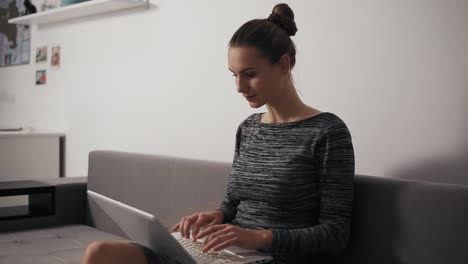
136 225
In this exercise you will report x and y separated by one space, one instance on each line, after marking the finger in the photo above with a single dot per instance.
220 232
227 243
182 226
205 232
188 224
175 228
211 223
217 241
201 222
210 230
213 241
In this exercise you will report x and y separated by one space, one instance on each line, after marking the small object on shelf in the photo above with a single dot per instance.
30 8
44 5
87 8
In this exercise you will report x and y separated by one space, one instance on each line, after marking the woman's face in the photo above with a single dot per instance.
257 79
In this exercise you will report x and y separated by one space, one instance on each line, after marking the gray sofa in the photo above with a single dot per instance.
394 221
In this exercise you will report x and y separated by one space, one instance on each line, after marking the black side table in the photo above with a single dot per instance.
41 199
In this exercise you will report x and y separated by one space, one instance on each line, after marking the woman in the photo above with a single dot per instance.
291 185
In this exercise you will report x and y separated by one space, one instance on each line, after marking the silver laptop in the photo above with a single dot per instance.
145 229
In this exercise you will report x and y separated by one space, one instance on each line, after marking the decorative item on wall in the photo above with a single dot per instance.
14 39
41 77
41 54
55 58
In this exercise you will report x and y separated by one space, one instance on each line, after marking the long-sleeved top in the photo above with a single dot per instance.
295 179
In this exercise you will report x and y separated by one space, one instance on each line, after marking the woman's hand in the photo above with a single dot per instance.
219 237
197 221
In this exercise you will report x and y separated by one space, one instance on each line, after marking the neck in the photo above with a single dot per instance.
288 107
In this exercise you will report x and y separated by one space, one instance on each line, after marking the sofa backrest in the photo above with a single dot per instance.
398 221
394 221
167 187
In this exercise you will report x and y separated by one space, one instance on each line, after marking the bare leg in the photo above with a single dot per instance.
113 252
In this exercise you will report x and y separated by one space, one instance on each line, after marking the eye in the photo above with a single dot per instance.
250 74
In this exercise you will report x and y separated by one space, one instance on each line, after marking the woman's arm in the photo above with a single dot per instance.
230 202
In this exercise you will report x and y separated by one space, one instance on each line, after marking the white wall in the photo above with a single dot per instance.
156 81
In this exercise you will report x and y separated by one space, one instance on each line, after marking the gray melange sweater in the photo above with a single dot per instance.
295 179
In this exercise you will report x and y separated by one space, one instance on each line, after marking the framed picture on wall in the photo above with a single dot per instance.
41 54
14 38
41 77
55 58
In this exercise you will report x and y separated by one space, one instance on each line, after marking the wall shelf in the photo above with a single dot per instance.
88 8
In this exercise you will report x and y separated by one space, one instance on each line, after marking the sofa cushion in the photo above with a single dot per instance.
64 244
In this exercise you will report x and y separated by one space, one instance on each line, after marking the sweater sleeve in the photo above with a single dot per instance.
335 158
230 202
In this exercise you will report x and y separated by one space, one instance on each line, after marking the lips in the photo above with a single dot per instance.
250 98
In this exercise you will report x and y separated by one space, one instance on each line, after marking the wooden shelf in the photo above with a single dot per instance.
88 8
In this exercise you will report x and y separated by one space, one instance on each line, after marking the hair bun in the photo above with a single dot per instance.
283 16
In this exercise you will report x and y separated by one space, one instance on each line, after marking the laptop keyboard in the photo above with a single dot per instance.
210 257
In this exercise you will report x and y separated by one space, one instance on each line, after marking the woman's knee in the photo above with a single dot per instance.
100 252
96 252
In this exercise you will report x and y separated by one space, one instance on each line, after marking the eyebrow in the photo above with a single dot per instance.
246 69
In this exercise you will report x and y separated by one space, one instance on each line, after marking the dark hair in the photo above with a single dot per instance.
271 36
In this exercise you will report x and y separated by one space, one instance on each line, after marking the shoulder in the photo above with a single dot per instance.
331 120
250 120
323 121
332 124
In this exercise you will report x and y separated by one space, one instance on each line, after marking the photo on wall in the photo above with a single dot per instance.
41 54
55 58
41 77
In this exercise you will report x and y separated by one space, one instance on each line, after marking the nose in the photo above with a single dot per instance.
242 85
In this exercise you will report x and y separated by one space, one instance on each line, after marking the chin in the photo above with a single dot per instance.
255 105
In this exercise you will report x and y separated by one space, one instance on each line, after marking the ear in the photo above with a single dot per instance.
285 64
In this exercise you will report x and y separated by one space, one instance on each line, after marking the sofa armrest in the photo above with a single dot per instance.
70 206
